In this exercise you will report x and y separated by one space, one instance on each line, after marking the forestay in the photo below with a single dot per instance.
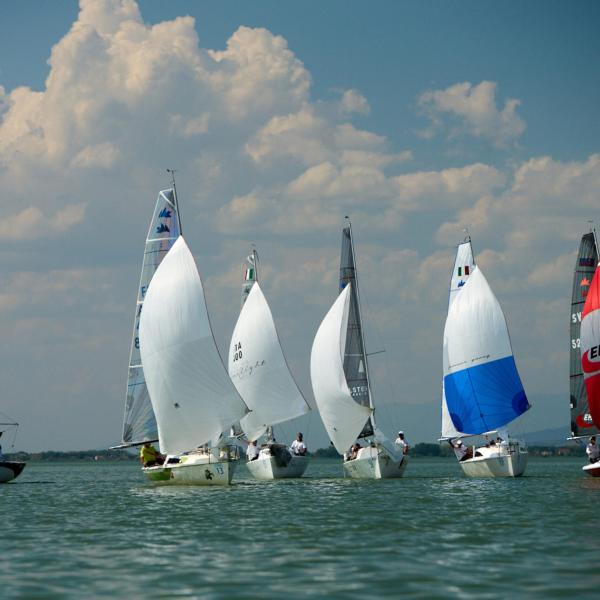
139 423
259 370
585 265
342 416
464 265
590 347
481 382
192 395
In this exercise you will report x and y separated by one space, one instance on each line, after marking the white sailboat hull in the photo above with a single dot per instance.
202 469
10 470
266 468
500 462
375 463
592 469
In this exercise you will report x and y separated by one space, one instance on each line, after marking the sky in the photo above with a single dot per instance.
417 119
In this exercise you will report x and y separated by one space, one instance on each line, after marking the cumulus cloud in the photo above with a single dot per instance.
31 223
471 109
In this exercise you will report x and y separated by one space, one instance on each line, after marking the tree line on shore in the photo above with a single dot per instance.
422 449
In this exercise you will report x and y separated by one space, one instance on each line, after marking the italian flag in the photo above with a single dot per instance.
250 274
463 270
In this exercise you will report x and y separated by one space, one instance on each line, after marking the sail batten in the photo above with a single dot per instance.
191 393
139 422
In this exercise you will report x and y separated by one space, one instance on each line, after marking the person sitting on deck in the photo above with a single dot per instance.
150 456
593 450
298 447
354 451
252 451
461 451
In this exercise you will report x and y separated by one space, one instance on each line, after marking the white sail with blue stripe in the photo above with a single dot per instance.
482 388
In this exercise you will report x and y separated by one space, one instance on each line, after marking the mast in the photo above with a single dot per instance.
172 171
251 274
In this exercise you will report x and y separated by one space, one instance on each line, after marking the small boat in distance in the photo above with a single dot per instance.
192 395
482 392
590 354
260 373
9 469
340 379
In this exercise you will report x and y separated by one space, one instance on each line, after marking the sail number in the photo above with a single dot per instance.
237 349
576 344
576 317
359 390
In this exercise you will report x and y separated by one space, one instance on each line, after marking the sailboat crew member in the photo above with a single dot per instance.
150 456
593 450
462 452
252 451
402 443
298 446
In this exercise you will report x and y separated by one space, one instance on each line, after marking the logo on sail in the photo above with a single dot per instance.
585 284
162 228
586 262
165 213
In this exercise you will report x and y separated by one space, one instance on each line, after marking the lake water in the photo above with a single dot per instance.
98 530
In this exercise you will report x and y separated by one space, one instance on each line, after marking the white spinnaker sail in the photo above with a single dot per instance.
464 264
482 385
259 371
342 416
192 394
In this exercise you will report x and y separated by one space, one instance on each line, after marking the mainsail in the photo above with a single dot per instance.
590 347
139 423
355 359
343 417
464 265
192 394
259 370
481 383
585 265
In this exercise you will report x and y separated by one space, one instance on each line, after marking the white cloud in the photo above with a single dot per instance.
474 110
354 102
31 223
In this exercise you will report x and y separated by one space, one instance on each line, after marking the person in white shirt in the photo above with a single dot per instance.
401 443
252 451
298 446
462 453
592 450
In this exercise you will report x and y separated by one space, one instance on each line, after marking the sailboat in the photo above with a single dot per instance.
192 395
261 375
9 469
341 385
482 392
590 352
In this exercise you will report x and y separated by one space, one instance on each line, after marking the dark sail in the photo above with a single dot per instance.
585 265
355 360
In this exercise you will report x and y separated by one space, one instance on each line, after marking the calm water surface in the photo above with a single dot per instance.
100 531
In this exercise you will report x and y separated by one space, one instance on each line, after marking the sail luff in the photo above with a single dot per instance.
139 423
583 273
